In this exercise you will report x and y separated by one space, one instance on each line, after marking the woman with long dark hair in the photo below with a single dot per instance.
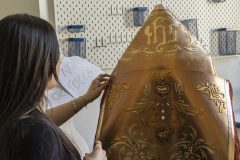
29 56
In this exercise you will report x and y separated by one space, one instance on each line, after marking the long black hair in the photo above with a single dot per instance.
29 53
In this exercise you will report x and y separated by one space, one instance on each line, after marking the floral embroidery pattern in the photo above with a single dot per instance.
214 94
190 147
163 134
181 106
115 92
163 99
132 147
157 91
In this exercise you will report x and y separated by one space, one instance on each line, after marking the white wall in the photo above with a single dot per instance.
8 7
46 8
40 8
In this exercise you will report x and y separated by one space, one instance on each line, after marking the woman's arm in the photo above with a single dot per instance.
62 113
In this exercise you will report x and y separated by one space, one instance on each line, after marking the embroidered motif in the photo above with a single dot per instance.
158 50
115 93
182 107
157 92
214 94
162 36
163 99
176 122
144 104
162 88
193 45
160 33
190 147
151 122
163 134
132 147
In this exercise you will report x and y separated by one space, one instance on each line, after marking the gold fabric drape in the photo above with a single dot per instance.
165 101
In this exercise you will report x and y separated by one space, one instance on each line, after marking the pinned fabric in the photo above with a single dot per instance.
165 101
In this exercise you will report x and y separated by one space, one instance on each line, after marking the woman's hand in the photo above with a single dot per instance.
97 86
97 154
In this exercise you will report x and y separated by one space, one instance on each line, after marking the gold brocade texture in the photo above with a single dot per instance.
214 94
165 101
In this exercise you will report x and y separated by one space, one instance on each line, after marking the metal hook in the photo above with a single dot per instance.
103 43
